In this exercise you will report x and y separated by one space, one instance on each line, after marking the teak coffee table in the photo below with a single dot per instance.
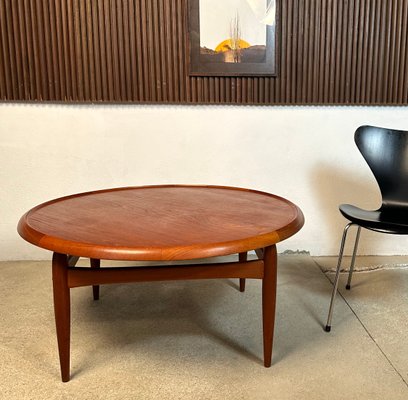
159 223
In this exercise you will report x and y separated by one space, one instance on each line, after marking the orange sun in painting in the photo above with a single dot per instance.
227 45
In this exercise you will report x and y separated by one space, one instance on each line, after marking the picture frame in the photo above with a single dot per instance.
232 37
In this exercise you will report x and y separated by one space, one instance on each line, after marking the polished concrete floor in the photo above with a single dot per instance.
202 339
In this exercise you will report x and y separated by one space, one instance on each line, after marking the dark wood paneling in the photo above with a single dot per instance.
329 52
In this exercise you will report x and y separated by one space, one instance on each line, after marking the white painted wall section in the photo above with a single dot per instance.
306 154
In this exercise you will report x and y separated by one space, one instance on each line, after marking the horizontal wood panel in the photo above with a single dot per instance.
329 52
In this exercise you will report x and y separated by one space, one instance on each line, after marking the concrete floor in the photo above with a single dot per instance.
202 339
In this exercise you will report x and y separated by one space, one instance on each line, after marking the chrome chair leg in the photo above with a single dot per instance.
353 259
336 279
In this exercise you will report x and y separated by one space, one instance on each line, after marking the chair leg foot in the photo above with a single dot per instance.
327 328
348 287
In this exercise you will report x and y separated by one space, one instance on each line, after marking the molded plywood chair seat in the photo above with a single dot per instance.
386 153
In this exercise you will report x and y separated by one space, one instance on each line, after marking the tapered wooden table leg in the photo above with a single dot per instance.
95 263
62 310
242 258
269 301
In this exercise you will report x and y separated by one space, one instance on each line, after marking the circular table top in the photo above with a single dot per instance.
170 222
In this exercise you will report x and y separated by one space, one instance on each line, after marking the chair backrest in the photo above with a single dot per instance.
386 152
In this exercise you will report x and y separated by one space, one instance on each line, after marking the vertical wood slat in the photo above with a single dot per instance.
55 58
49 60
156 49
7 51
322 40
116 76
126 48
13 48
395 43
328 52
85 34
18 50
403 94
4 82
120 17
102 60
133 59
96 52
359 53
42 50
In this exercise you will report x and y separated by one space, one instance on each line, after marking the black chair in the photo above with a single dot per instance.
386 153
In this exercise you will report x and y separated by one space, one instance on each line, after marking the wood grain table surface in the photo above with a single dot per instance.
161 222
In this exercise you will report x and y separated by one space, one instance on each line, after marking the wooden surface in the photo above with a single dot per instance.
66 277
161 223
84 276
62 311
269 282
329 52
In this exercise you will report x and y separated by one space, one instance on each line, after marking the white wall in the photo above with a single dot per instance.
306 154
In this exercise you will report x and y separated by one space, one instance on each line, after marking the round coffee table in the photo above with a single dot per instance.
158 223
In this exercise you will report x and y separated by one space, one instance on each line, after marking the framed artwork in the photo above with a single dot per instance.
232 37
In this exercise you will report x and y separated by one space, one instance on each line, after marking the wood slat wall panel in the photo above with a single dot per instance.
329 52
